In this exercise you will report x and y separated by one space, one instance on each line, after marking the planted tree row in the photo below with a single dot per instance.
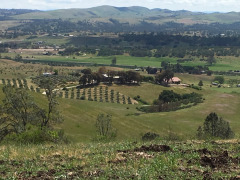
100 94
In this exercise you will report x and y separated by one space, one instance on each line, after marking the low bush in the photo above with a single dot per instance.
35 135
149 136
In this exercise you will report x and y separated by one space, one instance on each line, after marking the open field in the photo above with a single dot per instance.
223 63
121 60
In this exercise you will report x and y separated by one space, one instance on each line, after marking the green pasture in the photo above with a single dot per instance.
121 60
50 40
223 63
80 115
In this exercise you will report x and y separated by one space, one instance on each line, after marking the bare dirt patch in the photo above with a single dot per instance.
153 148
226 96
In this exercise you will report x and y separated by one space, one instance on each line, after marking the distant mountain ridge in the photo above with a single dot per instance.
118 19
132 15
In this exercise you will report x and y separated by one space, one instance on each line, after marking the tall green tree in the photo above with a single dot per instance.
17 110
51 115
164 77
18 57
114 61
104 126
211 60
215 126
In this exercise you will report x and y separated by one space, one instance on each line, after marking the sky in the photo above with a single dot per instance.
192 5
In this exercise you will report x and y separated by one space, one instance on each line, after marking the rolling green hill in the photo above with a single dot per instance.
80 115
104 12
115 19
137 13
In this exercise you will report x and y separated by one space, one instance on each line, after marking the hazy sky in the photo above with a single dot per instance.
192 5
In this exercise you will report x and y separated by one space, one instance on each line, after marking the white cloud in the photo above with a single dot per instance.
193 5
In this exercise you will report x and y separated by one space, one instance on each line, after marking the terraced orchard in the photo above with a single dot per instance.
97 93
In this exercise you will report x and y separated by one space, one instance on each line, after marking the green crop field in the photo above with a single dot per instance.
222 63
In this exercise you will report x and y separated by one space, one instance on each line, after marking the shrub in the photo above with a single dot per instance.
138 98
219 79
149 136
38 90
35 135
200 83
196 87
82 98
129 100
104 127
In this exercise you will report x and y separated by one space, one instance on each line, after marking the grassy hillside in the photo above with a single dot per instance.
131 14
80 116
122 160
103 12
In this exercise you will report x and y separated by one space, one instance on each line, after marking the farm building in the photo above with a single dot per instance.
175 80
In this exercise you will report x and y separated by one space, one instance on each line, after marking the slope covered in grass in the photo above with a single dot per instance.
122 160
80 115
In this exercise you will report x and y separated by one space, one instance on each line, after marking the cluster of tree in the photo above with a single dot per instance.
219 79
232 82
110 52
78 51
106 76
171 101
178 68
12 12
163 39
140 52
164 77
19 110
89 77
3 50
15 45
152 70
141 45
169 96
215 126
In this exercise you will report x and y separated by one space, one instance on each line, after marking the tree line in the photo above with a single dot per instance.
107 76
